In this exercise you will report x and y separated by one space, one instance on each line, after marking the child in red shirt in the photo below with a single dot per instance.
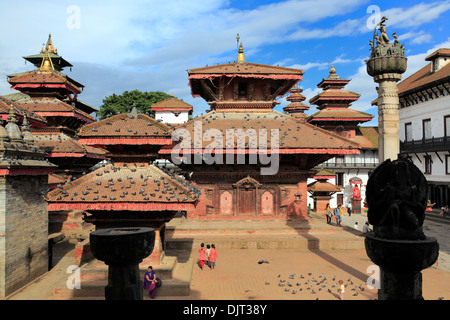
212 256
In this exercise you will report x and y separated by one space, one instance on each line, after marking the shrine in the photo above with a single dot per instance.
130 191
321 190
234 174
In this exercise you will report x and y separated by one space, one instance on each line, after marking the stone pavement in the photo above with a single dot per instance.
239 276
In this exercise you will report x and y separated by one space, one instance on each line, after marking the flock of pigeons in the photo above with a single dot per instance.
312 285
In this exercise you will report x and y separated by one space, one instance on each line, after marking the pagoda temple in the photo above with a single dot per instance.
333 103
321 190
263 172
296 107
52 95
130 191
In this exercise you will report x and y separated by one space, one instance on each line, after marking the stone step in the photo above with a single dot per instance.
308 242
175 276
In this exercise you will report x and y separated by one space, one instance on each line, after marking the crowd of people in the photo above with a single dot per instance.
338 214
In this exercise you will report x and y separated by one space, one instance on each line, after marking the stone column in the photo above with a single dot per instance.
388 116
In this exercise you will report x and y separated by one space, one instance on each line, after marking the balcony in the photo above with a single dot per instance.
347 165
425 145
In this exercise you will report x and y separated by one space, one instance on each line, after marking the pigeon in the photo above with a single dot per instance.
307 282
282 280
291 276
354 288
286 289
267 283
262 261
279 275
289 284
329 290
309 273
294 292
362 289
312 291
281 284
308 288
298 284
355 294
321 275
441 298
301 276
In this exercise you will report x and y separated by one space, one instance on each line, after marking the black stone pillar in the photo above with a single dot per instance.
122 249
401 263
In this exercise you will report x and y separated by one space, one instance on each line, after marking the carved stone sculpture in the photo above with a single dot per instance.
396 196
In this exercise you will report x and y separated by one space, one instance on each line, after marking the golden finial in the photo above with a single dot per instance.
46 64
240 56
49 47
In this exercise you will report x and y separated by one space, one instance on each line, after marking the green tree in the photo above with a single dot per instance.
116 104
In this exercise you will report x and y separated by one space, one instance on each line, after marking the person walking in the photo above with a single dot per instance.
328 213
212 256
202 255
349 208
337 214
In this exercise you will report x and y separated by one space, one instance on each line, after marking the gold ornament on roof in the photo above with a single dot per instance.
240 56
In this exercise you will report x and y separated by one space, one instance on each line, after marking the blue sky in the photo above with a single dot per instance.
149 44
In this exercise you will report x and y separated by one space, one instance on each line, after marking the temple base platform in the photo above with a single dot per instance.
182 239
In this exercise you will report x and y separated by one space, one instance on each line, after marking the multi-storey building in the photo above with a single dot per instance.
425 123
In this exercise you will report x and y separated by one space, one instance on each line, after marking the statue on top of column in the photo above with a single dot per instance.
381 45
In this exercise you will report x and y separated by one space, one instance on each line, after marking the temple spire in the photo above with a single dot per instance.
240 57
49 47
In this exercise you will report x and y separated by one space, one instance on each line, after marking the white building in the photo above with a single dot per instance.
172 111
425 123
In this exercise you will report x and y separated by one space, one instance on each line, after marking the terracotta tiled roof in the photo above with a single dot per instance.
6 104
171 104
443 52
126 126
318 186
52 107
324 173
124 187
341 113
424 78
245 68
57 144
295 136
367 137
336 94
36 77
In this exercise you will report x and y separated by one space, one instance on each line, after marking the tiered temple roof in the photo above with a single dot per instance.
296 107
242 96
333 103
130 183
51 95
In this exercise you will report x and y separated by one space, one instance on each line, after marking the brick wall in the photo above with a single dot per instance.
23 231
